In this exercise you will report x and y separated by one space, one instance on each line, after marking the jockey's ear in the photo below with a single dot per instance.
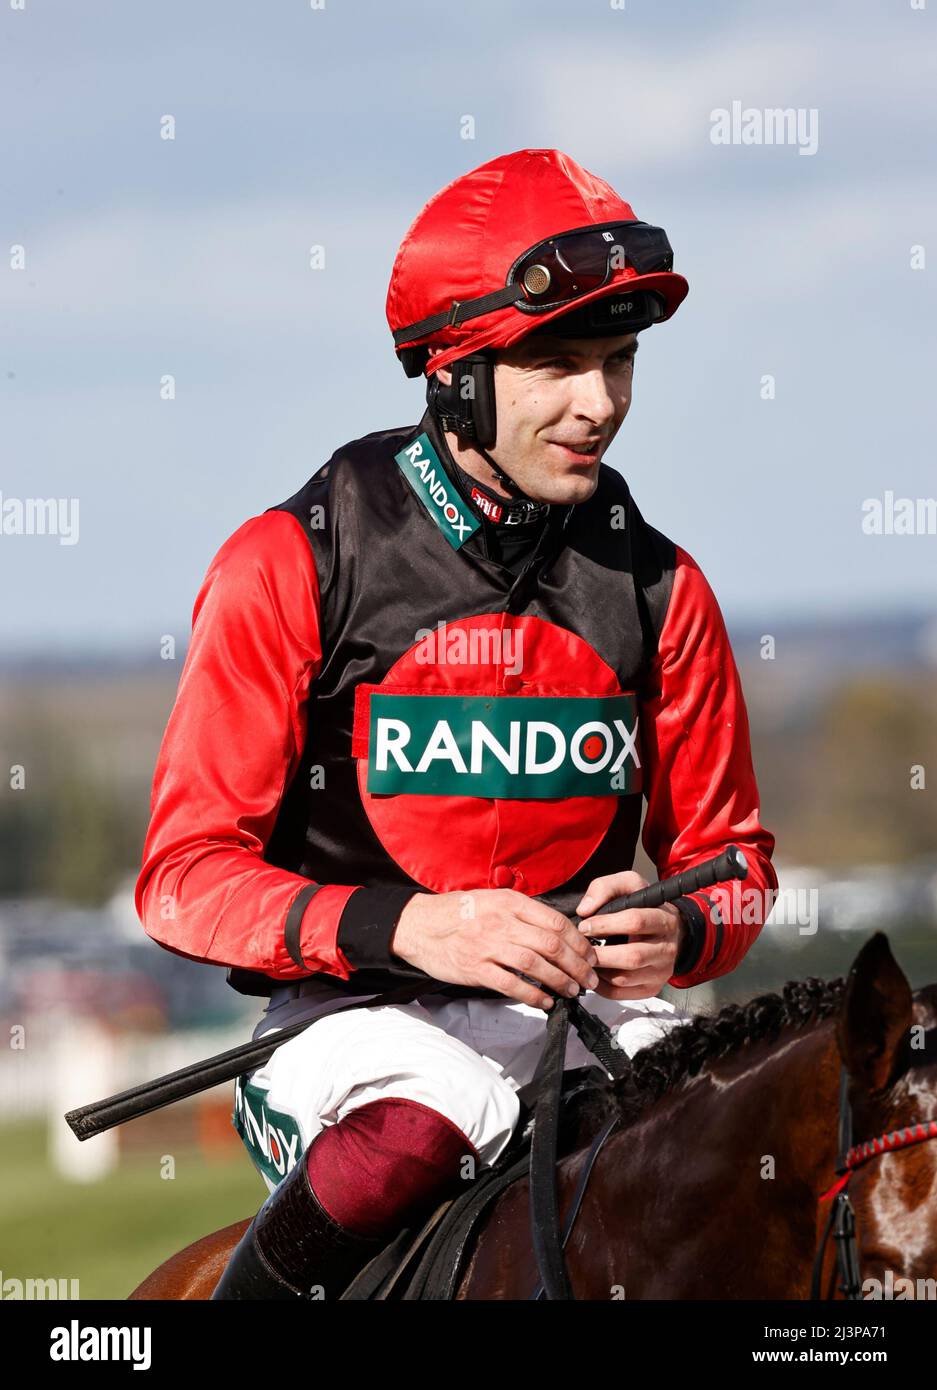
875 1019
444 373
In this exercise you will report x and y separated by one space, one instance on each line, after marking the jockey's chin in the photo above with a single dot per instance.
559 404
548 469
562 478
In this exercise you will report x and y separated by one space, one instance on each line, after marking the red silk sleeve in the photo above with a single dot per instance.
233 742
700 783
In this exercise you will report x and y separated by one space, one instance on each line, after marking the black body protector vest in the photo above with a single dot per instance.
470 727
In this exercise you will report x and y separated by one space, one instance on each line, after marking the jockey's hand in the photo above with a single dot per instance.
638 968
482 937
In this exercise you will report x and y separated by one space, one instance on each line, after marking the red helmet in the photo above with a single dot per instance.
513 245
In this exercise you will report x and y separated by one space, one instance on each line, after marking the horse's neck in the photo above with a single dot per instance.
778 1096
720 1168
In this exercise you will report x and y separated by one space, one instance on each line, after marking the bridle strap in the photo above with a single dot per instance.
842 1217
845 1119
815 1294
847 1249
888 1143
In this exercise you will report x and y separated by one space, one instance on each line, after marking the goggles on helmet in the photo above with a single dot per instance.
562 268
558 271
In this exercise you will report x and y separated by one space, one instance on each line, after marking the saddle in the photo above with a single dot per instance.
426 1263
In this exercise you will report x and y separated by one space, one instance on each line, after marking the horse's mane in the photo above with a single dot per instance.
684 1049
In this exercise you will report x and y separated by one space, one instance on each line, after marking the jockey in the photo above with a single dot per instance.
423 704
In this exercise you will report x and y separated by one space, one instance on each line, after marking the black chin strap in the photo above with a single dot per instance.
470 414
503 478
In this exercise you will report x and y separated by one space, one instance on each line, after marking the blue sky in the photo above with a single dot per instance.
298 126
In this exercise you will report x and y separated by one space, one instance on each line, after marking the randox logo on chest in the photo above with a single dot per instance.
503 747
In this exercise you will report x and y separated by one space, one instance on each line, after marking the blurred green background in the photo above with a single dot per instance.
111 1234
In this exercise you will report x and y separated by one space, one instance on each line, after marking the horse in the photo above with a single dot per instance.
714 1182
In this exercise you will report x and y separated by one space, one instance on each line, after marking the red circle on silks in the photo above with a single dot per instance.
453 843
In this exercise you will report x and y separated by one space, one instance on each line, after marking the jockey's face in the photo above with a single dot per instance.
552 393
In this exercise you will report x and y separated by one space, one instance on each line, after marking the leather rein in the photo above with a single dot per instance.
547 1241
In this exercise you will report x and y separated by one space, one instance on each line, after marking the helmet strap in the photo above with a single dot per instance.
466 407
503 478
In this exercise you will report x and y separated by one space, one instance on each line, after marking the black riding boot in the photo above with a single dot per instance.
293 1249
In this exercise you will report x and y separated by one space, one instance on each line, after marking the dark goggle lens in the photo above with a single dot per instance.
555 272
648 250
572 265
587 261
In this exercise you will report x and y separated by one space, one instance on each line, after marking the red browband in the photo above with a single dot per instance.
873 1148
898 1139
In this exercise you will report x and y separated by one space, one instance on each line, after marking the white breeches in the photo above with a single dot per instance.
464 1058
